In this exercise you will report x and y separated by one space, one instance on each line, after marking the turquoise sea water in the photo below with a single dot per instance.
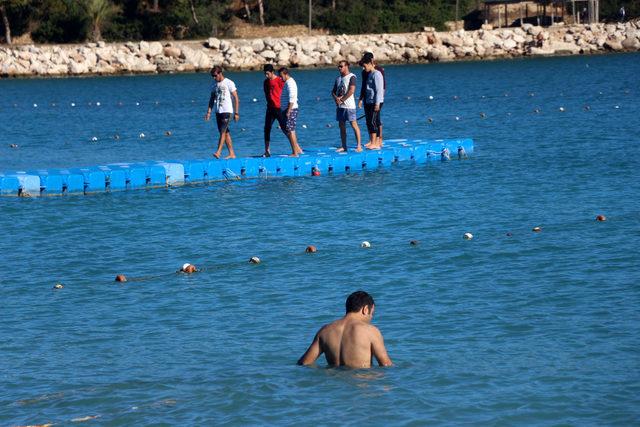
533 328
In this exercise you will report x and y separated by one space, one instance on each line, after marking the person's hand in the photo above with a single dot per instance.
376 108
207 116
288 113
236 117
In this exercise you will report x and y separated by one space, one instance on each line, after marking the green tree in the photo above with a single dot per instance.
5 7
99 13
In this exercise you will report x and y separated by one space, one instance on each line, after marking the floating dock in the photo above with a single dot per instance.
169 173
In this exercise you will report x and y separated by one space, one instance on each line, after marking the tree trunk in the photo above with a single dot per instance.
193 12
247 9
96 34
261 11
5 22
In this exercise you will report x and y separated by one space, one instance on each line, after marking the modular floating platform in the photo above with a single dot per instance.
169 173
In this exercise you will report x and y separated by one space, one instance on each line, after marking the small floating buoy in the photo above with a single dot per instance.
255 99
120 103
315 172
457 118
509 234
73 104
137 103
317 98
429 119
242 129
58 286
254 260
561 109
13 145
586 108
467 236
304 126
414 242
536 110
617 107
430 97
601 218
408 97
168 133
116 136
406 121
53 104
455 97
483 115
311 249
483 97
329 125
188 268
121 278
365 245
531 94
94 139
142 135
35 105
97 104
536 229
506 94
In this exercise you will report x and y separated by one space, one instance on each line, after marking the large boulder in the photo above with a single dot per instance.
172 52
155 48
631 43
213 43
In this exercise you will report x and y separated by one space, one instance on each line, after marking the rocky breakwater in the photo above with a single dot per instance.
316 51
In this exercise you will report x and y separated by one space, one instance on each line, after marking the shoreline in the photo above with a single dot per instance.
427 46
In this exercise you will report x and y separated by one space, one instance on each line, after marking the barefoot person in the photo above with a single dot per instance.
363 88
272 92
222 90
374 97
289 110
343 90
351 341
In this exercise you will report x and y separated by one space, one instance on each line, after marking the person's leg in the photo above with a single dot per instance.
222 124
291 132
268 123
343 136
380 125
375 129
369 116
232 154
356 132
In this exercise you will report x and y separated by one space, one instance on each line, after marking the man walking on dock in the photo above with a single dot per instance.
222 90
343 90
272 91
289 110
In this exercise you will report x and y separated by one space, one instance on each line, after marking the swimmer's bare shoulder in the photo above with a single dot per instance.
315 349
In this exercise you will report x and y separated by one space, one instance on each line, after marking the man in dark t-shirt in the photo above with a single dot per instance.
272 91
366 57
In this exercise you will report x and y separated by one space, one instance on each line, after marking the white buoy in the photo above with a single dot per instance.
365 245
254 260
304 126
35 105
73 104
142 135
431 97
406 121
467 236
255 99
617 107
137 103
457 118
94 138
58 286
97 104
561 109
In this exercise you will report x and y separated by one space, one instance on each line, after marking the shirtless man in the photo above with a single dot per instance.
351 341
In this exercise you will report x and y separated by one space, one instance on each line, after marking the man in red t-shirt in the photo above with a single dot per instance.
272 91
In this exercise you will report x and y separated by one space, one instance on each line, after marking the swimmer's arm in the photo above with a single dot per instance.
378 349
313 352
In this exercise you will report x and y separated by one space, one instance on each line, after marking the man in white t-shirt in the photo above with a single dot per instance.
222 91
289 110
342 92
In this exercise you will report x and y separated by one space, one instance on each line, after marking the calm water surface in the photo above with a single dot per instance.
536 328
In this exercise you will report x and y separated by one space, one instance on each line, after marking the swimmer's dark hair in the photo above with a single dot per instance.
268 68
283 70
216 70
357 300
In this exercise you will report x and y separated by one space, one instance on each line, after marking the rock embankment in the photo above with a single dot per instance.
316 51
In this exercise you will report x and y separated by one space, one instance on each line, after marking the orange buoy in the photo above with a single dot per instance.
311 249
601 218
188 268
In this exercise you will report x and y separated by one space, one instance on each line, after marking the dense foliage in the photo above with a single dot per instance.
65 21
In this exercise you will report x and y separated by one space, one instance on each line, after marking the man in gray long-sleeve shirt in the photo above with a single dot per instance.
374 96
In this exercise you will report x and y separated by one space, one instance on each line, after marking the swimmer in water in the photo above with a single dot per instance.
351 341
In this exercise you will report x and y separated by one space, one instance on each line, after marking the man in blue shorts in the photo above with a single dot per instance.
365 57
343 90
289 110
